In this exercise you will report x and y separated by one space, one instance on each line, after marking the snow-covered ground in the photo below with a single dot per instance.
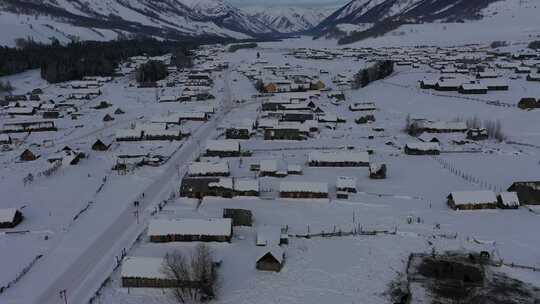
79 254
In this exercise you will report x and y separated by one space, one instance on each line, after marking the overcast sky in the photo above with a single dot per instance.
308 3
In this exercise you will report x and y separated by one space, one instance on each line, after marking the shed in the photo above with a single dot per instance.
10 217
377 171
271 259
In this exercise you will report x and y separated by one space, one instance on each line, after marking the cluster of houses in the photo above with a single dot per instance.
519 193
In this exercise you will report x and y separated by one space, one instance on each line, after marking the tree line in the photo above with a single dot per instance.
379 70
75 60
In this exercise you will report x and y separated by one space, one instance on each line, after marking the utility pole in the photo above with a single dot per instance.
63 295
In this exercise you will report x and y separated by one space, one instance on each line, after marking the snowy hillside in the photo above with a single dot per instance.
389 14
290 19
106 19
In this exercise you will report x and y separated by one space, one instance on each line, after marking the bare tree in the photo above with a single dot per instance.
194 279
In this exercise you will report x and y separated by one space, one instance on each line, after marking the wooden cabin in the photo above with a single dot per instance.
190 230
472 200
271 259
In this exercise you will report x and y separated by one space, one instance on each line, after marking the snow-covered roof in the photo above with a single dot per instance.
276 251
207 227
346 182
340 156
142 267
268 165
509 199
246 185
312 187
7 215
473 197
442 125
268 235
225 145
224 182
204 168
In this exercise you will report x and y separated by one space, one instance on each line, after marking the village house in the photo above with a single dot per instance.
528 192
10 217
190 230
508 200
473 88
338 159
223 148
289 189
270 259
270 167
471 200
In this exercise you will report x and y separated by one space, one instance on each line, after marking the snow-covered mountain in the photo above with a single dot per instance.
108 19
384 15
290 19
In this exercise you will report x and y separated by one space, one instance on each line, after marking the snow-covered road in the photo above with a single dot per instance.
86 255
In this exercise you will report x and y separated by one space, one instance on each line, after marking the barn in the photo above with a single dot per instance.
10 217
471 200
271 259
303 190
528 192
190 230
